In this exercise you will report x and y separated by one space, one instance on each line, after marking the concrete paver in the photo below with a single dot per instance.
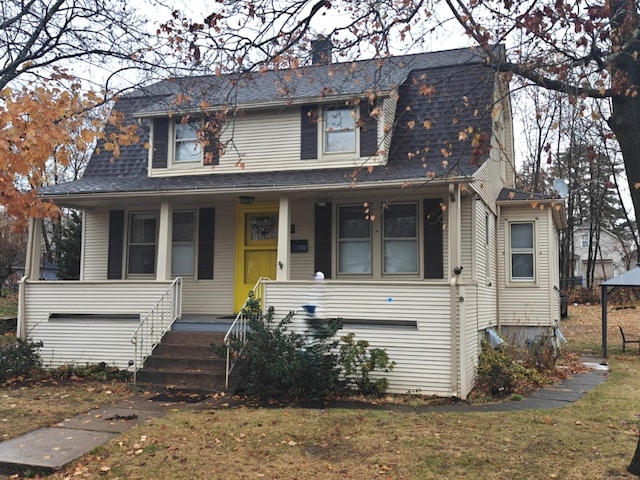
48 449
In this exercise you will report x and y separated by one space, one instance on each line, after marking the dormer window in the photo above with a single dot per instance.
339 130
178 142
187 146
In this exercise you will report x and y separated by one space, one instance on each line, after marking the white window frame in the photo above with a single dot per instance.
189 269
584 240
326 130
415 240
377 241
343 242
522 251
194 141
131 244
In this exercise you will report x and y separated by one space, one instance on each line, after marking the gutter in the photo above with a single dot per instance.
275 188
261 105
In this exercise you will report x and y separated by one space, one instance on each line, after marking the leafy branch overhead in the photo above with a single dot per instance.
578 49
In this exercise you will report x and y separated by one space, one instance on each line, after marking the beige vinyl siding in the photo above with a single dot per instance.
486 269
303 217
468 237
526 304
250 147
95 244
215 296
390 105
422 353
82 341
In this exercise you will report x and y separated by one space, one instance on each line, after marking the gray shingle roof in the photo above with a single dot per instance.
462 100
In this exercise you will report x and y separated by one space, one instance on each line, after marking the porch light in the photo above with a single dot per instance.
246 199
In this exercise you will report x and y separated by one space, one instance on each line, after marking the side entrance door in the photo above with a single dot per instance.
256 249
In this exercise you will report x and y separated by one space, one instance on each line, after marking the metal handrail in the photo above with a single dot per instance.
239 327
156 323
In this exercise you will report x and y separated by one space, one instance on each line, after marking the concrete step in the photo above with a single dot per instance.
173 337
169 362
199 351
181 378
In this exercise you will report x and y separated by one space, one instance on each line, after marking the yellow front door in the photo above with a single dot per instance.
256 249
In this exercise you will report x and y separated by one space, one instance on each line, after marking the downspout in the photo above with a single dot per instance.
497 267
456 270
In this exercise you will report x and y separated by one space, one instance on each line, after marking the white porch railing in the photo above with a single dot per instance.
156 323
238 329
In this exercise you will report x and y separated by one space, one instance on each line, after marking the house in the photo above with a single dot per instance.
611 255
394 178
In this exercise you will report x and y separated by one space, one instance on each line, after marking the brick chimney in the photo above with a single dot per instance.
321 49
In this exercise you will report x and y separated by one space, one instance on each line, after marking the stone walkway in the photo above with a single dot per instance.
49 449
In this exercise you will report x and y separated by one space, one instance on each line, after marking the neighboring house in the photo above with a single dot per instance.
392 177
611 256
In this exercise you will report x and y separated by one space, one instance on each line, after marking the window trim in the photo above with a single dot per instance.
324 131
192 243
174 142
377 241
129 244
415 239
523 251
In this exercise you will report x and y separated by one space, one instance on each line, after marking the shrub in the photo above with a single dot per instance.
19 358
500 374
277 363
358 361
281 364
95 371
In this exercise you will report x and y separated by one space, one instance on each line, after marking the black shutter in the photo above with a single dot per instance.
309 132
212 131
433 239
322 241
116 244
160 143
206 234
368 130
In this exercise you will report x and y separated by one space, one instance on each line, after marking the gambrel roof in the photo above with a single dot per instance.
426 142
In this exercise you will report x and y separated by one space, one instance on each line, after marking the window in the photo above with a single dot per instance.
584 240
339 130
182 243
187 146
354 240
142 243
522 252
400 239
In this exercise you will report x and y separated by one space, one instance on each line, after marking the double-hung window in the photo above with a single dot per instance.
183 243
141 258
187 145
354 240
400 231
522 251
339 130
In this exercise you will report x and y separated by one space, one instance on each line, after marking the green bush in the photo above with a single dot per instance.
358 361
281 364
277 363
19 358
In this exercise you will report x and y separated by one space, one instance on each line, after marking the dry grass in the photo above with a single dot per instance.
593 438
40 404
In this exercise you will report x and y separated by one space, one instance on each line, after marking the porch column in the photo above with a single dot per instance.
31 270
163 262
284 240
34 243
